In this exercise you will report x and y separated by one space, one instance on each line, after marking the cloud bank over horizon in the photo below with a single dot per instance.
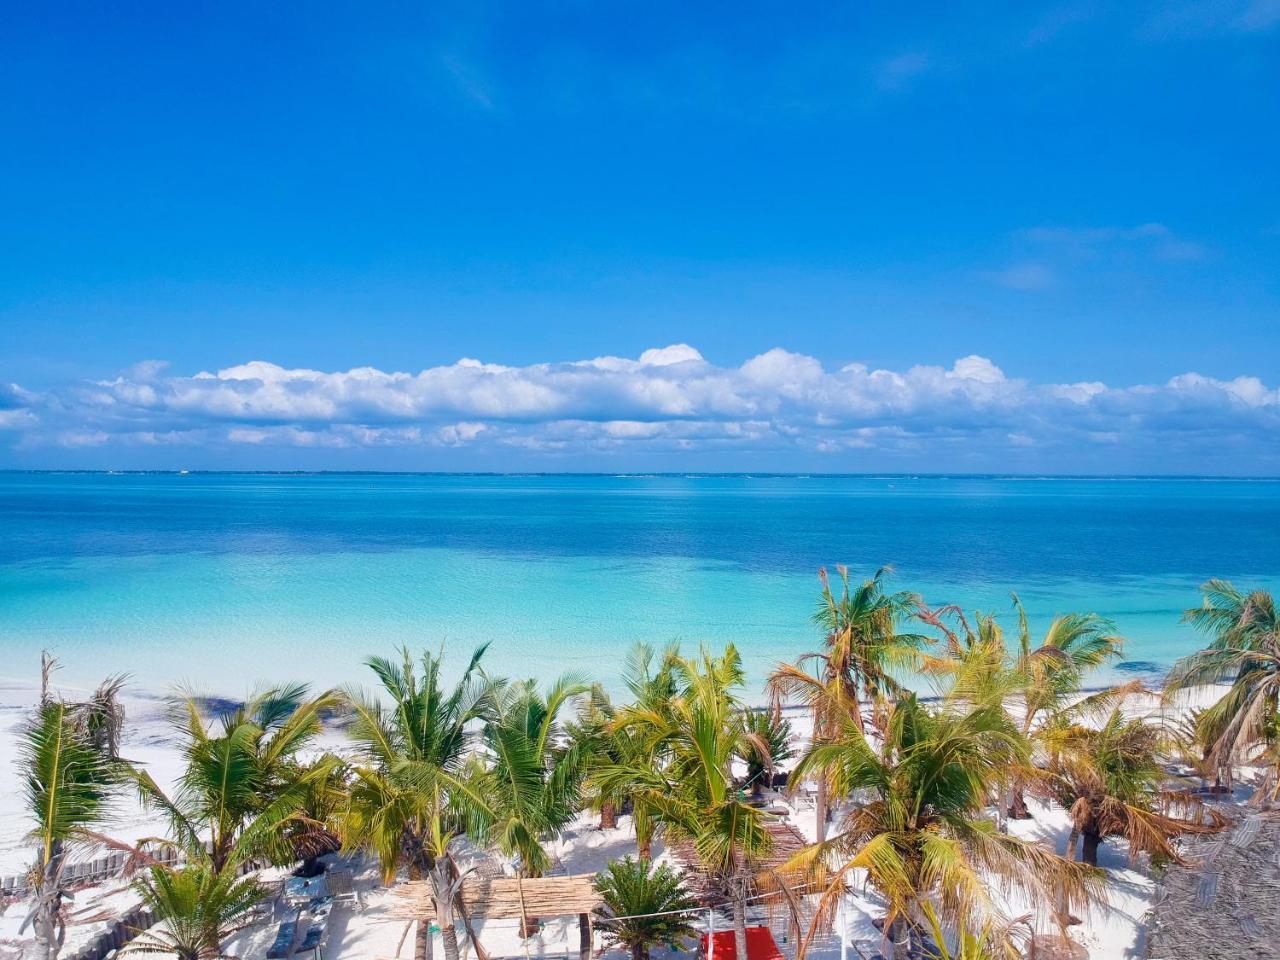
670 406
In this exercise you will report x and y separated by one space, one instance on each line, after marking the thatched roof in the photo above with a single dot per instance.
502 898
787 842
1225 902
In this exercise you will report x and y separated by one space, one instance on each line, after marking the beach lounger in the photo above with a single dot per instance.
301 890
283 945
317 930
311 940
342 887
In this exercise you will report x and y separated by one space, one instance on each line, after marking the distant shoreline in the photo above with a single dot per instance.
643 474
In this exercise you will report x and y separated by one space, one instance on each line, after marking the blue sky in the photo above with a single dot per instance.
976 210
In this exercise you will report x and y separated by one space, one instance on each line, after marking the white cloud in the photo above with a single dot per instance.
670 399
666 356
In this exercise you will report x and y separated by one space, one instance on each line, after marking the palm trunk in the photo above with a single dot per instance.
584 937
1072 839
1018 804
899 936
449 936
644 832
442 895
820 810
420 869
528 924
608 816
422 940
50 928
740 924
460 906
1089 852
639 952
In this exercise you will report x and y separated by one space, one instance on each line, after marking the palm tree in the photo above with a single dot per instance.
648 676
536 777
1112 783
768 743
102 716
974 667
69 782
1073 645
198 908
314 831
1244 650
863 650
651 905
978 668
414 790
601 744
699 732
240 787
923 840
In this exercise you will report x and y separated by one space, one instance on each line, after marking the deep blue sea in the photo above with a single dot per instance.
221 580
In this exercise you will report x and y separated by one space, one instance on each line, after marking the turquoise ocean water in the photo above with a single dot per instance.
224 579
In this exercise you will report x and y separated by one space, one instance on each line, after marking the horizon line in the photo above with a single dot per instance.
641 474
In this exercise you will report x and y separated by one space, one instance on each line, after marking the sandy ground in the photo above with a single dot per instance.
1111 931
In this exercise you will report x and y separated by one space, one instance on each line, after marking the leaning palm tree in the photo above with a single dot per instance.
864 649
536 778
69 781
644 906
1072 646
414 790
197 907
102 716
923 839
1244 651
240 787
693 794
1053 671
1112 782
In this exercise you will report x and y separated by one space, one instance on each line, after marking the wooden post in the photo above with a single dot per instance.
584 936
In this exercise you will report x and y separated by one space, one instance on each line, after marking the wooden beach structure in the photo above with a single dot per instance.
510 898
787 842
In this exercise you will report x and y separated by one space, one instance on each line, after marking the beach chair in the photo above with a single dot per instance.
317 931
310 940
283 945
342 887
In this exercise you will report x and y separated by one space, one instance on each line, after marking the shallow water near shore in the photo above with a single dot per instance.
224 579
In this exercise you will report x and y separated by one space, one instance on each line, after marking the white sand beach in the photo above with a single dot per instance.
1111 931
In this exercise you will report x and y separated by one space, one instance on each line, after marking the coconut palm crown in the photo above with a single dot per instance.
922 838
1244 651
697 735
415 788
68 779
240 787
